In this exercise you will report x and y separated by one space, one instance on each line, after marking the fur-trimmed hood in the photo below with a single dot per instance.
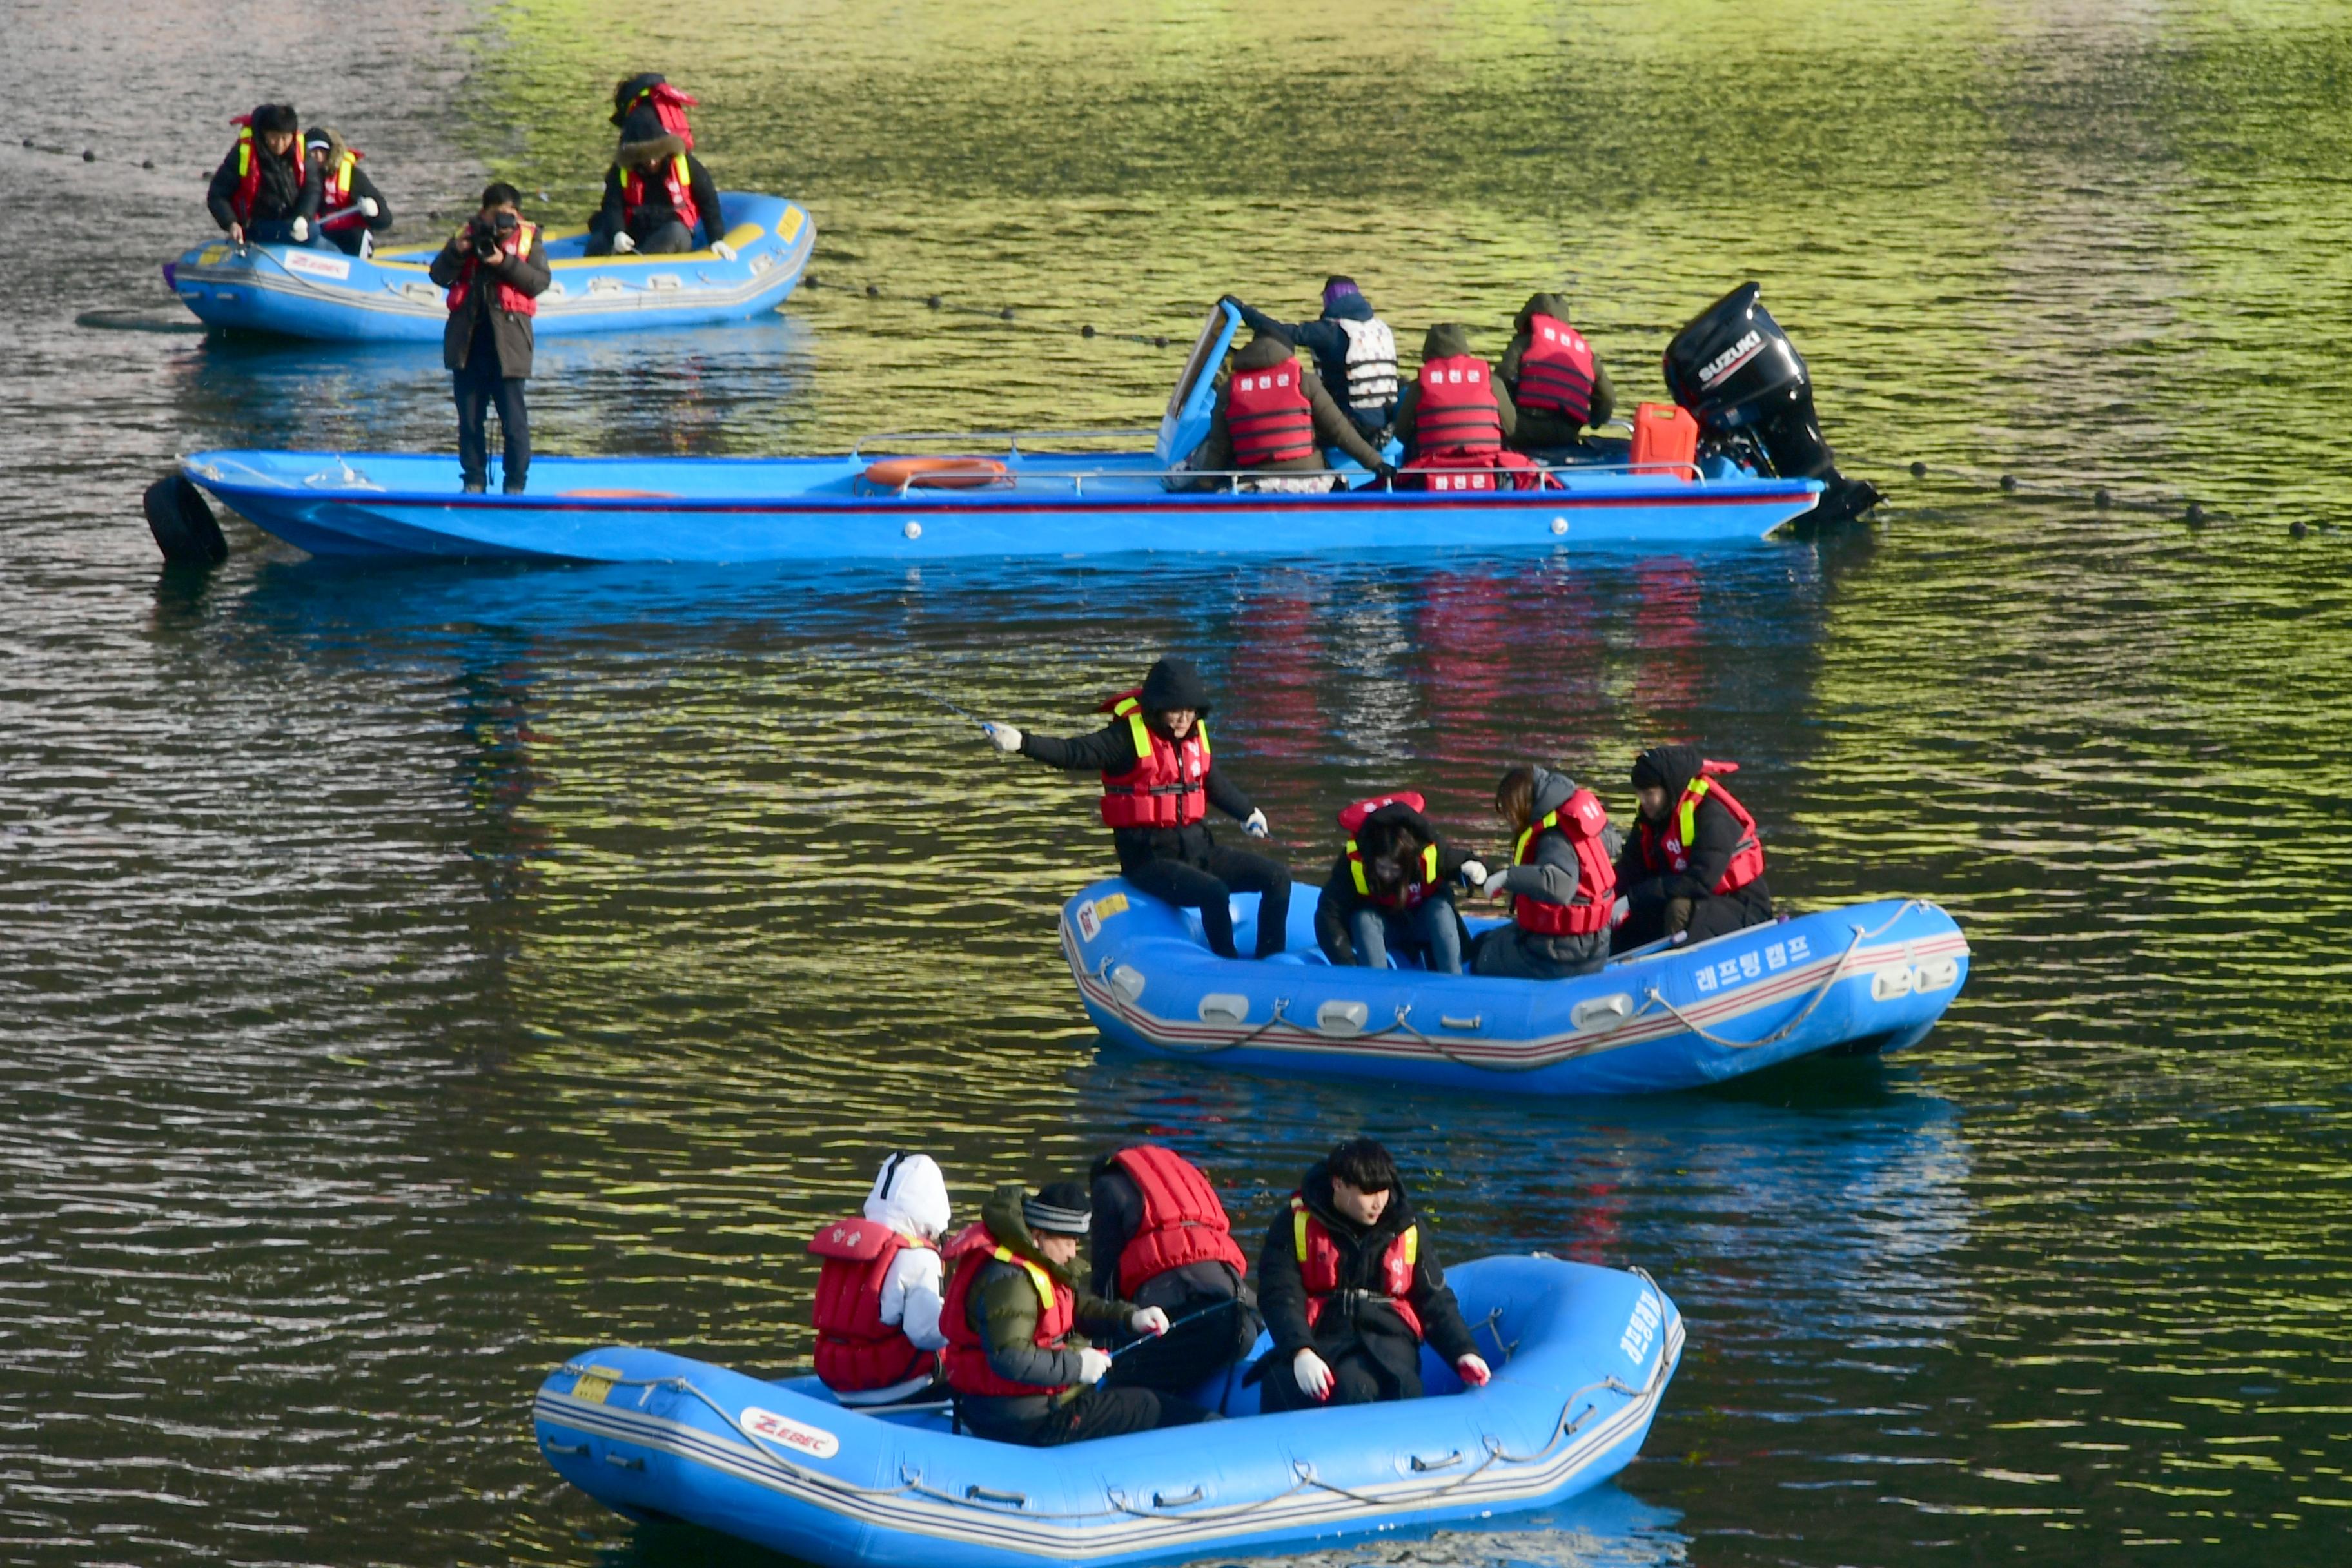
652 150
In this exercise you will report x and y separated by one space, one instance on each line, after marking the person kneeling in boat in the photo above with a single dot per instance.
1158 786
657 194
1455 419
1351 1290
1391 889
263 191
877 1292
1562 886
1020 1369
1354 352
1695 867
351 209
1273 419
1554 380
1160 1238
495 269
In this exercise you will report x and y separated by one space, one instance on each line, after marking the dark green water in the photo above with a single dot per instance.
410 977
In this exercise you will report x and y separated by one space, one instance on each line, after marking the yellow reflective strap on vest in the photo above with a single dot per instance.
343 172
1549 820
244 150
1428 864
1356 869
1201 728
678 165
1037 1277
1412 1244
1298 1227
1689 824
525 233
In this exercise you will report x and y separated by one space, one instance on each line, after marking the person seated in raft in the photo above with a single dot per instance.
351 208
1350 1289
658 194
1016 1359
1354 352
1554 380
1274 419
1160 1238
1455 418
263 191
1562 886
878 1292
1392 889
1158 785
1695 867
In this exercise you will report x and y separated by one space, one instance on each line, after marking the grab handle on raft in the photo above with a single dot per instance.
977 1493
625 1461
1443 1462
1161 1500
571 1450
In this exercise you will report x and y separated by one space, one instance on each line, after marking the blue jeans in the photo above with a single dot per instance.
1427 931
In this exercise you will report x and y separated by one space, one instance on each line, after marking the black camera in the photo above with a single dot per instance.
489 231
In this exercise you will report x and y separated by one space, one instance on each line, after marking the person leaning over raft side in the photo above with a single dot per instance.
1563 888
1355 353
1455 416
1350 1289
1158 786
878 1292
1021 1372
495 269
1160 1238
349 206
263 191
1554 379
1695 867
1273 418
1392 889
657 194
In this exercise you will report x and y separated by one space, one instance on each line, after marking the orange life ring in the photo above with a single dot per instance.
936 473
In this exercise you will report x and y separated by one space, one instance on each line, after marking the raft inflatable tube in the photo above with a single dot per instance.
1581 1357
1866 979
317 291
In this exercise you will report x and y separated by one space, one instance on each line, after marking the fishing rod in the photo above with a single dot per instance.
951 707
1192 1317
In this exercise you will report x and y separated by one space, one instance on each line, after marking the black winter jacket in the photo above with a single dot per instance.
1341 900
1372 1325
656 210
289 187
1111 750
1326 341
1118 1214
510 330
1717 838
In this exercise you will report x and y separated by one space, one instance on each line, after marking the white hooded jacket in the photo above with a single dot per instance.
910 1196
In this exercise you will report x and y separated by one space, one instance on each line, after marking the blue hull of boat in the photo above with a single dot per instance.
780 1465
386 505
1868 978
308 292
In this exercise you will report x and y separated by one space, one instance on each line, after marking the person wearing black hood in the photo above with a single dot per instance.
1392 889
1355 353
658 194
1695 867
264 192
1273 418
1563 888
1158 786
1350 1289
1160 1238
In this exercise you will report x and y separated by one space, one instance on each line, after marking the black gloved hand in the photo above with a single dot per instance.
1233 300
1383 479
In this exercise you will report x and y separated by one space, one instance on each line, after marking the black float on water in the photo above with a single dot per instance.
183 523
1743 380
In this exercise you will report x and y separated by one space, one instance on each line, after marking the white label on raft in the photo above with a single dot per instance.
1092 915
317 266
785 1433
1641 1329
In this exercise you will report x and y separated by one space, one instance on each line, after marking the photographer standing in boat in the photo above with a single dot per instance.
1158 786
495 269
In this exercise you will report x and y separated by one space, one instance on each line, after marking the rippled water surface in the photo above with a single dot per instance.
412 976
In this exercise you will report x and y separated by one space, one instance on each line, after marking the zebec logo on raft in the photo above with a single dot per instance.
786 1432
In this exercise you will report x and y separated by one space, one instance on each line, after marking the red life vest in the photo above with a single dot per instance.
337 193
1556 369
1672 853
1354 817
967 1359
676 183
249 154
1579 822
1457 415
856 1352
510 298
1182 1220
1268 416
1476 471
1318 1264
1169 785
671 105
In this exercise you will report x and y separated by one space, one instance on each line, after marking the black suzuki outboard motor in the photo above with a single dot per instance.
1743 380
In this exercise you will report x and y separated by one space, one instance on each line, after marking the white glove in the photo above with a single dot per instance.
1493 887
1006 737
1093 1364
1618 911
300 229
1474 874
368 207
1473 1371
721 249
1149 1321
1315 1379
622 245
1255 824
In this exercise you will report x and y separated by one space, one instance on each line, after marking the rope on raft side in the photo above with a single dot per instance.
1820 994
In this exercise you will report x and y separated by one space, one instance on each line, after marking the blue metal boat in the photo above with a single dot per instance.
1866 979
316 291
1581 1358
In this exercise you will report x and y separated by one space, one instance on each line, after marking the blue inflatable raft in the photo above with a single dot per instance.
1581 1358
314 291
1866 979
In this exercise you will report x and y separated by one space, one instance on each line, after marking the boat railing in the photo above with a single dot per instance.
1272 482
1012 438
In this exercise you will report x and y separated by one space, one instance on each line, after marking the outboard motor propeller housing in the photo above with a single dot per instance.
1739 375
